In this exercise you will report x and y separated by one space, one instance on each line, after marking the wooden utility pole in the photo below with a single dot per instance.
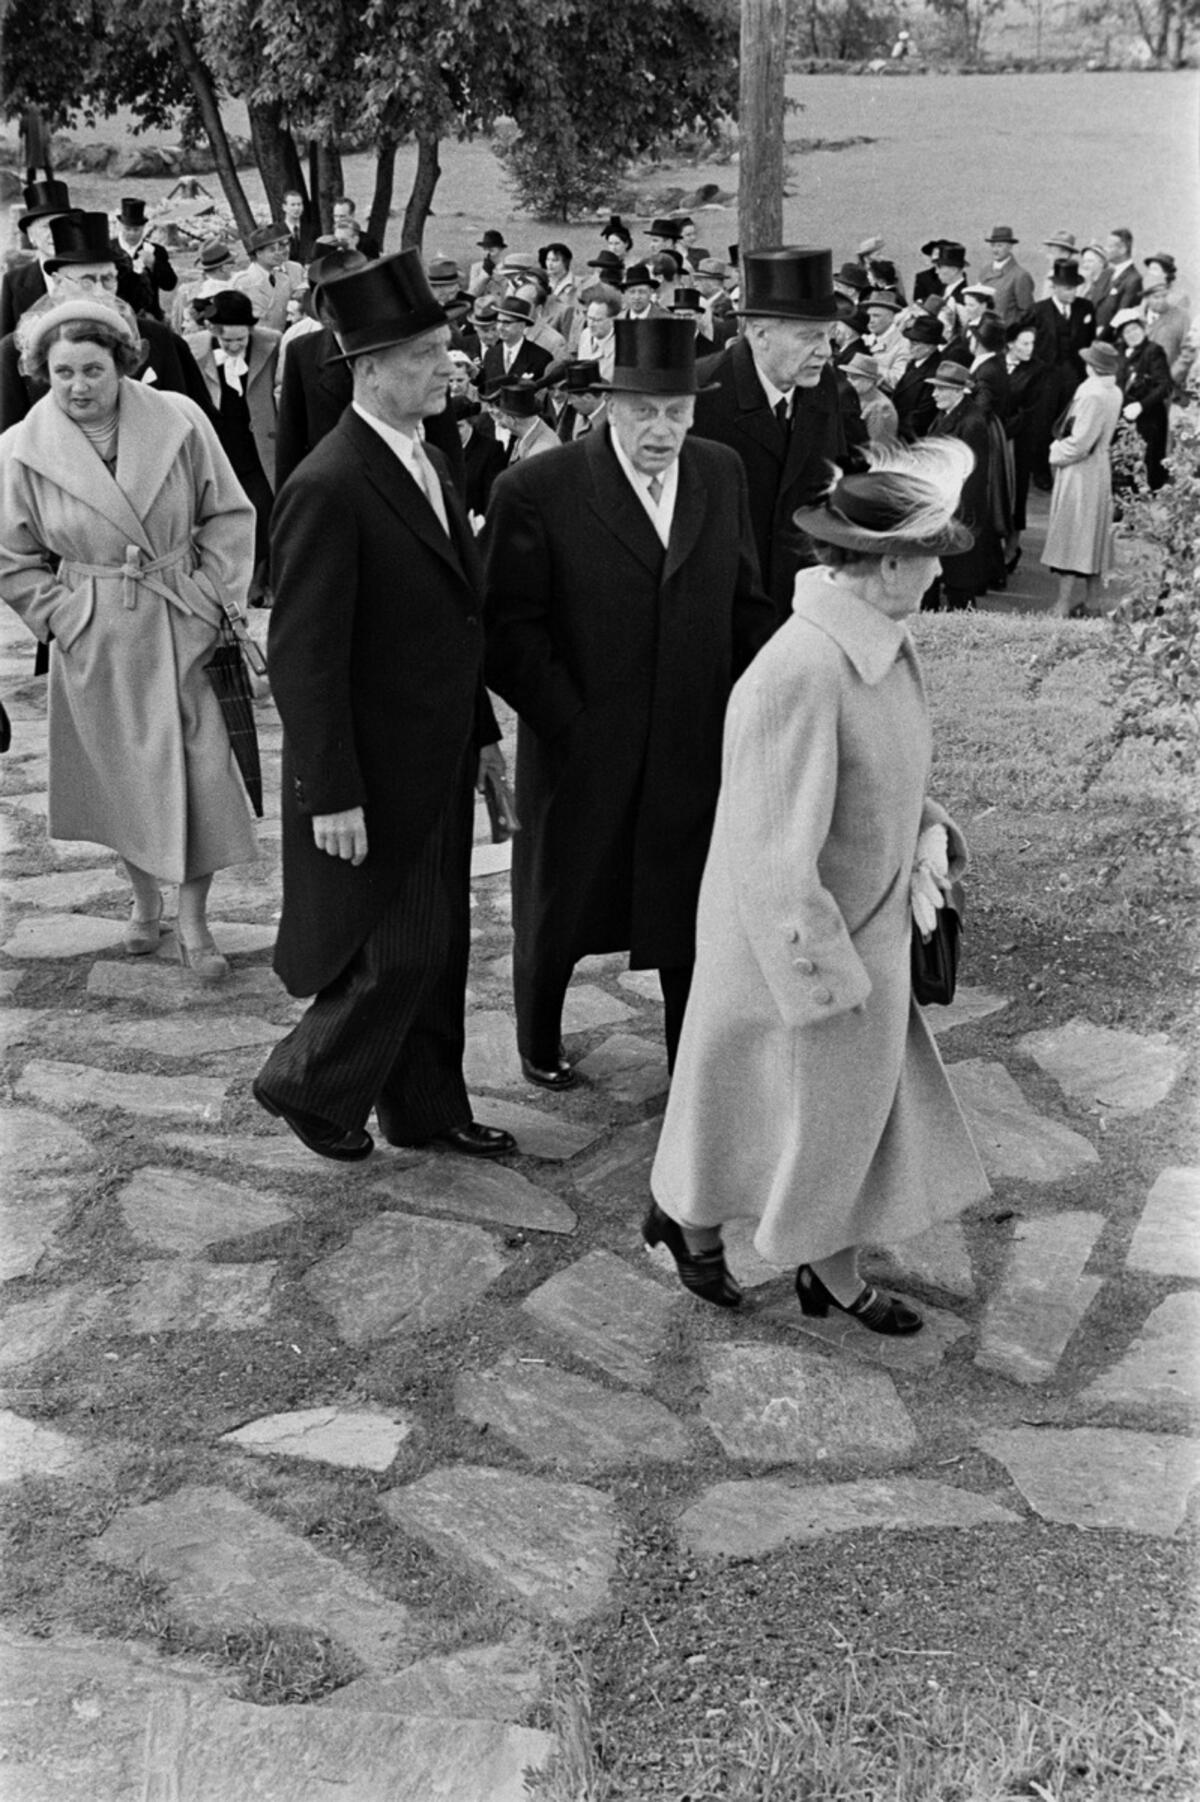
760 123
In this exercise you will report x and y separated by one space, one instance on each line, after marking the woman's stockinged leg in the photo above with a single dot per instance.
147 895
193 909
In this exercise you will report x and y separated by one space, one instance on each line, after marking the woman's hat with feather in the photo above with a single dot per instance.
903 506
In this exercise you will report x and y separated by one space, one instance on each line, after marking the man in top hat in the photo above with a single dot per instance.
143 267
270 279
82 268
480 274
25 283
912 397
639 286
584 408
375 651
773 398
927 283
513 355
516 410
1011 285
1064 326
622 603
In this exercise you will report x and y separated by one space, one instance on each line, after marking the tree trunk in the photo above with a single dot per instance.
420 201
275 154
330 182
760 123
385 183
210 115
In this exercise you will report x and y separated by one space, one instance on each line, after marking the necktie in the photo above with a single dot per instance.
655 486
432 488
783 413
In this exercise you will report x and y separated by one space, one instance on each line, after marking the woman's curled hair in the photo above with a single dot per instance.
128 358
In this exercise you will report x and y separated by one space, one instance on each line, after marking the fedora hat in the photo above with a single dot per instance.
520 262
897 512
653 356
215 254
334 263
484 311
639 275
790 282
853 275
133 212
443 269
1064 241
886 298
952 375
388 302
1065 273
712 266
664 228
861 364
229 306
43 199
1002 234
923 329
80 238
263 235
513 307
1102 357
492 240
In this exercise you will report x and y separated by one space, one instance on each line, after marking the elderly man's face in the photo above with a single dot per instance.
946 399
651 428
409 381
792 353
487 330
879 320
83 281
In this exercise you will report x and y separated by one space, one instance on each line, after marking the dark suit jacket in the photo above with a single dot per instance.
141 291
1058 341
375 651
1124 290
971 570
784 471
912 398
531 359
21 287
174 367
619 656
992 386
314 394
926 283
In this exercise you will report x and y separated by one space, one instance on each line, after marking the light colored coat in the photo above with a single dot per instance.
139 754
1079 535
808 1091
269 291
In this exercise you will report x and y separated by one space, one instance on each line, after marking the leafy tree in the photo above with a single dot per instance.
965 22
1167 27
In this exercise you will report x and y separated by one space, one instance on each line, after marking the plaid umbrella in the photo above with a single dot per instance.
231 683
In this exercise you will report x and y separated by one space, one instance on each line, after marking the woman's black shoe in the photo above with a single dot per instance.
703 1272
558 1075
880 1313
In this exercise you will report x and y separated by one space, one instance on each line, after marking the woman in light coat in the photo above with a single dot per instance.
808 1091
122 526
1079 536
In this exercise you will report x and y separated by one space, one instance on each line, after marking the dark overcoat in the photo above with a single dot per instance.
970 571
375 653
784 470
23 285
314 393
913 400
618 656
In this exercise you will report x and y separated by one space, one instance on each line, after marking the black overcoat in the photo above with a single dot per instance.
314 393
375 654
784 470
913 400
23 285
970 571
618 656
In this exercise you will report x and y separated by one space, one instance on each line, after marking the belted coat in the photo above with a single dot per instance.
139 754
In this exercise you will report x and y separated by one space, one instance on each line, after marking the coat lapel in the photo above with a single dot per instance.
755 417
617 506
149 441
688 517
53 447
812 408
397 488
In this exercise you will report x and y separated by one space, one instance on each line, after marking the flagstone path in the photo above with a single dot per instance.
568 1361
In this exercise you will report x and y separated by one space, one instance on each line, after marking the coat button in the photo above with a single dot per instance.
822 997
805 965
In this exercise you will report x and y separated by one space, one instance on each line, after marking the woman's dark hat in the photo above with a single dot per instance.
388 302
853 275
617 228
653 356
791 282
43 199
1166 263
866 513
933 248
1065 273
80 238
133 213
229 307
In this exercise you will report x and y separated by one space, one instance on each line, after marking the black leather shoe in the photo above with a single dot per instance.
879 1313
561 1075
324 1137
702 1273
472 1140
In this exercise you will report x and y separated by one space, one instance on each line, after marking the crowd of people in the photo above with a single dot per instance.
674 509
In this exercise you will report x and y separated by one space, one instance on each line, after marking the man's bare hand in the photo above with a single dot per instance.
491 757
342 835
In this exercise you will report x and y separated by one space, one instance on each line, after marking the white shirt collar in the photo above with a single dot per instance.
774 395
401 443
662 513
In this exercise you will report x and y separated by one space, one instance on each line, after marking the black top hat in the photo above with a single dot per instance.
578 377
492 240
388 302
1065 273
80 238
952 254
43 199
792 282
608 267
229 307
687 300
653 356
334 263
520 399
133 212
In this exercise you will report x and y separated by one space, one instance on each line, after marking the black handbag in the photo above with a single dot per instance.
935 959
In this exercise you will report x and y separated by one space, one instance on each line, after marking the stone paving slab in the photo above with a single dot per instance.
32 1209
538 1134
180 1211
968 1006
939 1257
643 983
226 1564
18 1025
470 1191
1012 1138
279 1153
587 1006
64 891
189 1296
1166 1239
627 1068
607 1315
1101 1476
1122 1072
907 1354
46 1323
181 1036
401 1276
11 980
491 1060
80 1085
1161 1370
555 1417
357 1438
29 1449
157 982
498 1682
1041 1298
623 1165
793 1405
551 1545
63 935
750 1519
